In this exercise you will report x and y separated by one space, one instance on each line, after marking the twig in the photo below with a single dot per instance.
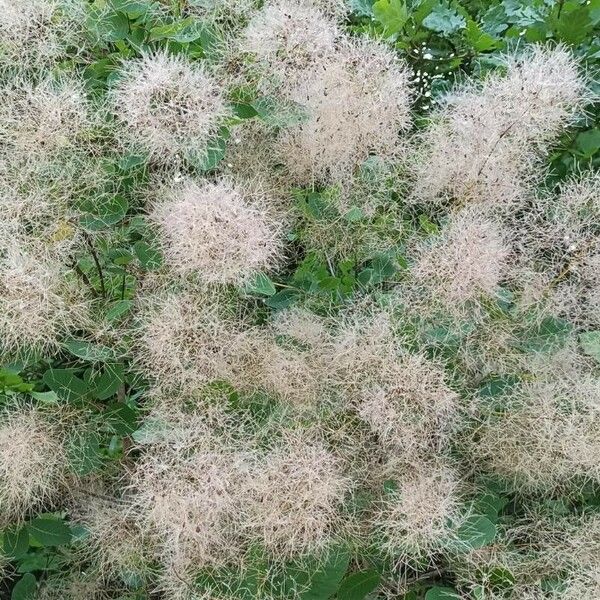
97 261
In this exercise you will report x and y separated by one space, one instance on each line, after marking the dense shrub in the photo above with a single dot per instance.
299 300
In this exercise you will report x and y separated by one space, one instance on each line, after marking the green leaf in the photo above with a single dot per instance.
130 161
444 20
105 212
479 39
282 299
121 418
574 25
50 532
476 532
65 384
118 309
550 334
25 588
46 397
357 586
85 454
588 142
442 593
244 111
149 257
392 14
261 284
325 581
89 351
590 344
184 31
15 541
109 382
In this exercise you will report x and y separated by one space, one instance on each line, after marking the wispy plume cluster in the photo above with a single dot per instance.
33 461
168 106
352 95
403 397
43 118
218 231
547 437
288 37
39 301
485 142
465 262
206 491
418 518
38 31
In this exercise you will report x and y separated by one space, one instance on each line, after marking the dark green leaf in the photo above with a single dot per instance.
282 299
325 581
109 382
121 418
358 585
149 257
16 541
118 309
50 532
67 386
25 588
105 213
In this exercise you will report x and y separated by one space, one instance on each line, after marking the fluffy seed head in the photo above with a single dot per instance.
486 140
403 397
356 102
297 495
188 490
217 231
38 31
39 302
548 436
415 519
184 340
114 541
465 262
37 120
33 462
288 36
167 105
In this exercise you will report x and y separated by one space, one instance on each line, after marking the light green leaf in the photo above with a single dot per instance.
392 14
89 351
590 343
261 284
444 20
442 593
476 532
46 397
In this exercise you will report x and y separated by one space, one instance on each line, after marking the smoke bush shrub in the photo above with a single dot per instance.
299 300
